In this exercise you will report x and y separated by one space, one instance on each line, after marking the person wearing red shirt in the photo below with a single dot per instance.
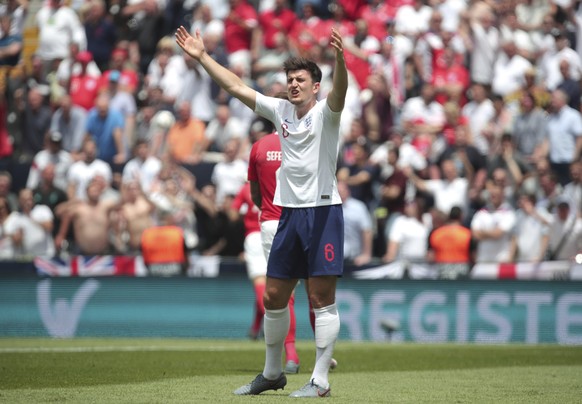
264 161
451 80
280 20
129 80
238 30
84 87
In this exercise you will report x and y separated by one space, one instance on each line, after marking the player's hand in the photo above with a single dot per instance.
337 42
192 45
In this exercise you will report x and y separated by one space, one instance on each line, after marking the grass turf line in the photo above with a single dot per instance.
111 370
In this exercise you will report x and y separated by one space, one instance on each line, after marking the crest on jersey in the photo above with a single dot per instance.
308 121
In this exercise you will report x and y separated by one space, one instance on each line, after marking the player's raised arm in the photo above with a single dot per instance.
194 46
337 96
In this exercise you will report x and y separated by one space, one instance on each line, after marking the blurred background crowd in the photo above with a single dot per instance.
462 116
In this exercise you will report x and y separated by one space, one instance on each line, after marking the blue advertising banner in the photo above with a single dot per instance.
399 310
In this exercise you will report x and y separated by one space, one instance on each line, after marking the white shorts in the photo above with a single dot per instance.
268 230
254 256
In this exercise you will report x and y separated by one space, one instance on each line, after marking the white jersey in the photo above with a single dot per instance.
309 156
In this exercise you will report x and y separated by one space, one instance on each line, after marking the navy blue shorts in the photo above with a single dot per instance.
309 242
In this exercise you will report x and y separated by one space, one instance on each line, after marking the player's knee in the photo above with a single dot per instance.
274 300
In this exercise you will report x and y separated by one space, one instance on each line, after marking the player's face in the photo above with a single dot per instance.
300 87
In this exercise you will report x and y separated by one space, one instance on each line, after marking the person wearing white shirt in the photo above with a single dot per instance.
143 168
413 20
51 154
531 235
425 108
229 175
357 227
565 232
449 191
36 224
479 111
509 71
551 66
493 227
83 171
485 40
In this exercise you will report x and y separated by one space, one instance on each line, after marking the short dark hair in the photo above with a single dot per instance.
298 63
456 213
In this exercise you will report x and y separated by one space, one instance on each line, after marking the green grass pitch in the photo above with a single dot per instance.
207 371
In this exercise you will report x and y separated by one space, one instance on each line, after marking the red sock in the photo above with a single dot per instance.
290 351
259 307
312 317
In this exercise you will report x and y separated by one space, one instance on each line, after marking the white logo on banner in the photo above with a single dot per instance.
62 318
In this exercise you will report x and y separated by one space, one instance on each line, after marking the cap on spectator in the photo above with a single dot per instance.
558 33
55 136
114 76
119 52
84 57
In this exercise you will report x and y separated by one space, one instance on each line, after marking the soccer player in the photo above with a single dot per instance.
309 239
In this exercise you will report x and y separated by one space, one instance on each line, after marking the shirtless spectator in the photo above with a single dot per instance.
136 214
90 219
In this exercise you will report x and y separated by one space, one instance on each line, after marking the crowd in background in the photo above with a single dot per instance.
458 111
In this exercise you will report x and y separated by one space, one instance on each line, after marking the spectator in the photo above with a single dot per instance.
238 31
36 120
10 44
449 191
551 64
83 171
361 175
83 87
565 233
17 10
105 126
229 175
529 129
500 123
492 227
72 66
46 193
101 33
186 142
573 189
479 111
147 27
35 223
124 102
120 62
223 128
451 247
484 43
357 228
564 136
508 159
509 70
377 114
58 26
274 25
407 242
90 218
70 121
143 168
423 109
570 86
6 190
450 80
136 215
413 19
531 235
7 241
51 154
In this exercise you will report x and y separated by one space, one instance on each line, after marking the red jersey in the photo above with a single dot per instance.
251 216
236 36
84 91
264 161
274 22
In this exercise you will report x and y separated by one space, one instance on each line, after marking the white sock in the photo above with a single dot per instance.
327 327
276 326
